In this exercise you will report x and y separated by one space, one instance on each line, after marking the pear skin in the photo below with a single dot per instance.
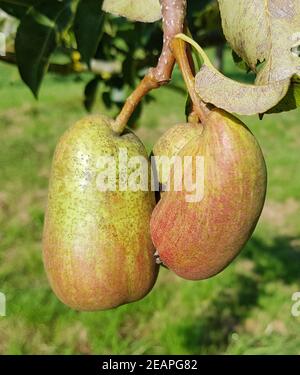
171 142
197 240
97 247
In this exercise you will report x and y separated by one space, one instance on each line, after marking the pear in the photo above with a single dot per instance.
171 142
198 239
97 247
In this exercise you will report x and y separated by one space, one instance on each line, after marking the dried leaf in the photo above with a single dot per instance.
244 99
145 11
213 87
290 101
264 30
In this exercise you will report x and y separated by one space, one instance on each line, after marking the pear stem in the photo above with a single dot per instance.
173 17
183 58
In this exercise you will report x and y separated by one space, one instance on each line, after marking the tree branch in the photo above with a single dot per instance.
173 12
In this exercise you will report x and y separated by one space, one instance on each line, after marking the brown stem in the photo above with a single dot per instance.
192 117
181 56
173 13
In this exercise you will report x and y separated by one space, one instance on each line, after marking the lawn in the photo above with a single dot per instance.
244 310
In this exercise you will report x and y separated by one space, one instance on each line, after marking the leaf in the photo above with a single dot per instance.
17 11
267 31
21 2
290 101
107 99
14 10
207 15
144 11
90 93
36 39
17 8
244 99
204 21
128 69
88 27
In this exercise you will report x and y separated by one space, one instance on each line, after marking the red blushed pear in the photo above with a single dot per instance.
197 240
170 144
97 248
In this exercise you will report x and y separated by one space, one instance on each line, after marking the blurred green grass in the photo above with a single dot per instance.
244 310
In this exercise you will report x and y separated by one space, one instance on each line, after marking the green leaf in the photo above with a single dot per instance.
17 8
128 69
188 106
90 93
106 98
36 39
264 31
208 18
88 27
290 101
144 11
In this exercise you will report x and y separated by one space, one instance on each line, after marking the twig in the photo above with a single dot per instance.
181 56
173 12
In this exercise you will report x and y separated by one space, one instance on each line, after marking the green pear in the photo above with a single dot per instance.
198 239
97 247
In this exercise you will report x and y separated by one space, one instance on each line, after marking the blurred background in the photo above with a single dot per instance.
244 310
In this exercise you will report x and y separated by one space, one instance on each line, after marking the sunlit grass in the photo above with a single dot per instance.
246 309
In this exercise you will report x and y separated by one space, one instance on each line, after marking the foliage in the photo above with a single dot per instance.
116 50
265 33
119 51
